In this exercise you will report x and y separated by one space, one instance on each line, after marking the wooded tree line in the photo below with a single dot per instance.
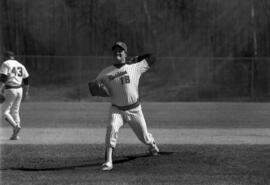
169 28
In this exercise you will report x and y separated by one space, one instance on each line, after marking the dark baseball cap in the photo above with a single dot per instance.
8 54
121 45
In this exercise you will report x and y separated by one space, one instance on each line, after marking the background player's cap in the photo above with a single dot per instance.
121 45
8 54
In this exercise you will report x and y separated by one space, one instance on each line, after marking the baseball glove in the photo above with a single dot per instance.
98 89
2 98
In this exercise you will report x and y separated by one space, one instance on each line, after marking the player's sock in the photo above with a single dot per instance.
108 154
108 165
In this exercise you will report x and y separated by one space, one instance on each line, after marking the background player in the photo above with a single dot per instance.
12 76
122 81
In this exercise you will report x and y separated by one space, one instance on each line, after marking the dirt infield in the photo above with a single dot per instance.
80 164
163 136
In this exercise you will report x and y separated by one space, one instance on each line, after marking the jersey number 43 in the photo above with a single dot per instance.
17 71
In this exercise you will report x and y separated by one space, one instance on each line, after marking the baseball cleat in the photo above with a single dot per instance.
16 130
14 138
107 166
153 149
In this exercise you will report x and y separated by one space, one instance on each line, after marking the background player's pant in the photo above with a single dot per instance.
134 118
11 106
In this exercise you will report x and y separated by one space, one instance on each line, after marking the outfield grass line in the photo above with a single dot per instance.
162 136
157 114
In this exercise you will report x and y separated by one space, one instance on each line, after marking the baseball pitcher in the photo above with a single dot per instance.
13 75
120 82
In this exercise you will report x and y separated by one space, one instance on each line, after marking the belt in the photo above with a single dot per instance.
12 87
127 107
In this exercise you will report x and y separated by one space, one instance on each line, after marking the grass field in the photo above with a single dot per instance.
200 143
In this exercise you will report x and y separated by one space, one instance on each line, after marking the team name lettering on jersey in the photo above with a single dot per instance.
123 82
121 73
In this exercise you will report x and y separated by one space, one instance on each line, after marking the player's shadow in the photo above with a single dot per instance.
137 156
118 160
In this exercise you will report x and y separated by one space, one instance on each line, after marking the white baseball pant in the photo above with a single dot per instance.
135 118
11 106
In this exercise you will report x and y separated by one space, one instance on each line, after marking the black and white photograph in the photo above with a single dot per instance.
135 92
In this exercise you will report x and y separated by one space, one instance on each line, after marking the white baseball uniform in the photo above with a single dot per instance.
122 82
15 73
